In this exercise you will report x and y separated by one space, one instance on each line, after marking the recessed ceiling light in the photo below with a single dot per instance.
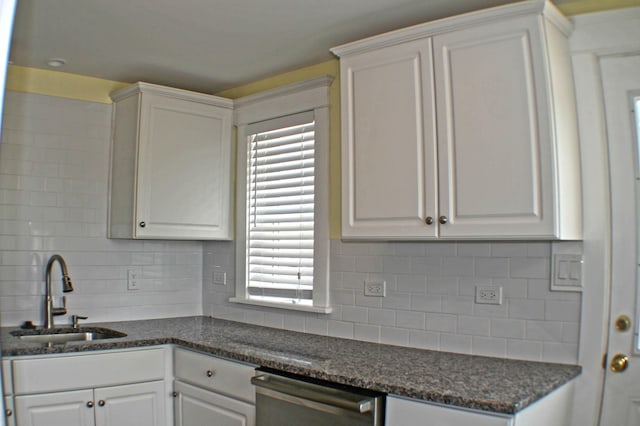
56 62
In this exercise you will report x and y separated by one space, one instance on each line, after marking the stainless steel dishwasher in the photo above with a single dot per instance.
289 400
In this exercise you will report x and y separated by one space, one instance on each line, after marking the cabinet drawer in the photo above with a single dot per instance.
226 377
52 374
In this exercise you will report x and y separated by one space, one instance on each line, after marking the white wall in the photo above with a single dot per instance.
54 160
430 298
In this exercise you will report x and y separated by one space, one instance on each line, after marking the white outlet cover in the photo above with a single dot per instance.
489 295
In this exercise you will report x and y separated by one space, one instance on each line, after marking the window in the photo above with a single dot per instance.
282 230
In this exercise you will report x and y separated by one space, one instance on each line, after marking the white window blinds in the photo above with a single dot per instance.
280 210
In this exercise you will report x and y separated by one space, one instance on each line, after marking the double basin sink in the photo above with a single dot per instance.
66 334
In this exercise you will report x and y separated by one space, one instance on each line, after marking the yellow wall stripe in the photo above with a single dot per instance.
577 7
61 84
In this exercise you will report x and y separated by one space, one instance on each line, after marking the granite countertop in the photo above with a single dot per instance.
484 383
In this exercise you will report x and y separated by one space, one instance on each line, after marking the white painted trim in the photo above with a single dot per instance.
596 35
186 95
290 99
429 29
308 95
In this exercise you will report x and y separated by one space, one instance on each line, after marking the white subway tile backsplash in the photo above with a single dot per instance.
430 301
54 161
366 332
526 309
489 346
394 336
410 319
455 343
424 339
474 326
508 328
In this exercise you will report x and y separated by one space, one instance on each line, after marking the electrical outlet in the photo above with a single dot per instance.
375 288
220 278
133 279
491 295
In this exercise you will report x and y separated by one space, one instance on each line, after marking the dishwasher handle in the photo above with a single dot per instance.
317 393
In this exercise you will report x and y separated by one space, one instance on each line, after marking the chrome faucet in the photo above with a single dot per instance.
49 309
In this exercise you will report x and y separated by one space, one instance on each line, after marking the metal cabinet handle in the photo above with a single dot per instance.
8 412
428 220
443 220
143 224
90 404
211 373
102 402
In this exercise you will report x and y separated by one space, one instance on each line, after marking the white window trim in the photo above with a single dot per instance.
309 95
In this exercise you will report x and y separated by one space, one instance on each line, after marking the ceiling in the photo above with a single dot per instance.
206 45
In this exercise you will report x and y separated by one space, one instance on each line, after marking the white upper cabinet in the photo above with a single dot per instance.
170 165
464 128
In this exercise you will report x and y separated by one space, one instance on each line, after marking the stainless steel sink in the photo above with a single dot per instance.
64 335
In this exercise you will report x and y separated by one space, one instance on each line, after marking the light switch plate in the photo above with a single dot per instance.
566 272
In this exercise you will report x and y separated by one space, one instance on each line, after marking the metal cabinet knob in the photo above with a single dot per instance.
174 394
8 412
143 224
90 404
619 363
102 402
443 220
428 220
211 373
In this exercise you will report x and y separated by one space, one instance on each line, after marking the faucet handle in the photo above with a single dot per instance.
75 318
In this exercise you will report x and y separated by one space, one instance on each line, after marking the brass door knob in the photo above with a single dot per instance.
623 323
619 363
443 220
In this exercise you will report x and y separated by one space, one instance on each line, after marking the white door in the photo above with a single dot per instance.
493 141
73 408
621 400
389 172
184 171
197 407
140 404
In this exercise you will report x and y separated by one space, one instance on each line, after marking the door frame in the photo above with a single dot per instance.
596 35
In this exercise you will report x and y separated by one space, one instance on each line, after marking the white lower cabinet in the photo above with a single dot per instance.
212 391
118 388
139 404
552 410
195 406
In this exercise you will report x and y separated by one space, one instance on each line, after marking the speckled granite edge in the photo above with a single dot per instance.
482 383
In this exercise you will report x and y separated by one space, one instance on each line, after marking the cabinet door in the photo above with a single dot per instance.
140 404
196 407
184 175
494 144
55 409
388 143
403 412
9 411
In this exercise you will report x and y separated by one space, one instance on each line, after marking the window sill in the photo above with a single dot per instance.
292 307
